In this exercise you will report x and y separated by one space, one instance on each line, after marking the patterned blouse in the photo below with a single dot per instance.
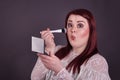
96 68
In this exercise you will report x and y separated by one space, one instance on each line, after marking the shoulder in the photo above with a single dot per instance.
98 63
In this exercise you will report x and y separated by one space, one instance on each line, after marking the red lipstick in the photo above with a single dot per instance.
73 37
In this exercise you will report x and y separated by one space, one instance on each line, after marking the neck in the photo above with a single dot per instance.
78 50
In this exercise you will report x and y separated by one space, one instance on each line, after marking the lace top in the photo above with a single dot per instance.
96 68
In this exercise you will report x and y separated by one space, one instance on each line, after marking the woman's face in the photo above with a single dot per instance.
77 31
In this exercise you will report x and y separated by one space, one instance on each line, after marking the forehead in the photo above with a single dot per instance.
76 18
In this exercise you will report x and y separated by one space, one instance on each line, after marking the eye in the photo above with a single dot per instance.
69 25
80 25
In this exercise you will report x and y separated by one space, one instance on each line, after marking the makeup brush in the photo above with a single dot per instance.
63 30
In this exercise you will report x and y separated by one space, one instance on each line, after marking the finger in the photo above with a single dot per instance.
51 34
41 32
47 34
47 51
44 60
38 54
44 31
48 29
44 57
51 54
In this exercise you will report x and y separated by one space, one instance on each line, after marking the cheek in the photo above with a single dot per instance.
85 33
68 33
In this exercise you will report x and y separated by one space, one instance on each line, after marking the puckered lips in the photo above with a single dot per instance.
73 37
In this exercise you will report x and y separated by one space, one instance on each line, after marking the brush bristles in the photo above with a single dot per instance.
63 30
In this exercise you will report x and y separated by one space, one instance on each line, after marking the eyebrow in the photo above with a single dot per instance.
77 21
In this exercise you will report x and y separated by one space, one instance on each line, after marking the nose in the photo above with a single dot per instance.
73 30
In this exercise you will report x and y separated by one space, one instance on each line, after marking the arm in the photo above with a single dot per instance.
41 66
49 40
39 71
63 75
95 69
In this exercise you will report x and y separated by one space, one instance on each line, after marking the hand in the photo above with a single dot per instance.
49 40
51 62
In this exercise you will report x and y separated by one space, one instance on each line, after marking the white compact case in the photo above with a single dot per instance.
37 45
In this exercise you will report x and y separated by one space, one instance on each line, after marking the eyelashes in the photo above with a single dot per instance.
79 25
69 25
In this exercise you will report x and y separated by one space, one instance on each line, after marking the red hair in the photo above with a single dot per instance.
91 47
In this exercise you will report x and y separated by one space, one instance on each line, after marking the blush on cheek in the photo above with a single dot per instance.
85 33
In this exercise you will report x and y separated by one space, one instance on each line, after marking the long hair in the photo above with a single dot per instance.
91 47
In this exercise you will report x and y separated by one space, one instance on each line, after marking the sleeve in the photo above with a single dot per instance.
63 75
96 69
39 71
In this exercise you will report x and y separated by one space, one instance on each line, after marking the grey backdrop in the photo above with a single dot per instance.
21 19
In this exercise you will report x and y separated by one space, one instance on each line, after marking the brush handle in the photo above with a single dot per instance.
58 31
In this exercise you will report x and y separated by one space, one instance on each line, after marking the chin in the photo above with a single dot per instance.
74 45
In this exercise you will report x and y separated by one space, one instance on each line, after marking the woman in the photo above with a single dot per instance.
79 59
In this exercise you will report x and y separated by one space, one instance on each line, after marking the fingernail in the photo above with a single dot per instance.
38 54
